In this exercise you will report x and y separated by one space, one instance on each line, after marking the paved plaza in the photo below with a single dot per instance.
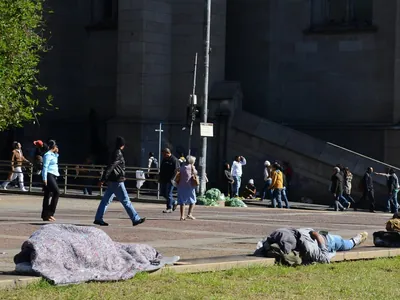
217 231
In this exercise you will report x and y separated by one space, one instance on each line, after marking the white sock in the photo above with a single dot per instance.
357 239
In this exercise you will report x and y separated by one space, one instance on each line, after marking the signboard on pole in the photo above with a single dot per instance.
206 129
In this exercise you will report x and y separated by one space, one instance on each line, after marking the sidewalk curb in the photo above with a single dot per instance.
216 266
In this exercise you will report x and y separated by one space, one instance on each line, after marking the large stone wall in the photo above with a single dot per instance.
296 77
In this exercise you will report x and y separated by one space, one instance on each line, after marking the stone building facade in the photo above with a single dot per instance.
327 68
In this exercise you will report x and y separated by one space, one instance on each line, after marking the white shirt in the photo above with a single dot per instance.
237 168
266 174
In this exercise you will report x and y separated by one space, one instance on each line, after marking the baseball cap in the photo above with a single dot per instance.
38 142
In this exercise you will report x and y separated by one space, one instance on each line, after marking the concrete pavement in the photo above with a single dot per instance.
217 232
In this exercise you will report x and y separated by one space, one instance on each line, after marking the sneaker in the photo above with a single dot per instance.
4 187
175 206
24 190
167 211
100 223
360 238
138 222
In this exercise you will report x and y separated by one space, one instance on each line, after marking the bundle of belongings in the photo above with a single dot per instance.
69 254
390 237
305 246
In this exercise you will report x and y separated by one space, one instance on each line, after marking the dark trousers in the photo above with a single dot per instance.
166 190
369 195
229 190
50 190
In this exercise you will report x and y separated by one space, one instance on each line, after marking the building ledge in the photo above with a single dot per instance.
340 29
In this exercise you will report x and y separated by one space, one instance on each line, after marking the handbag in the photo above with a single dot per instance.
194 179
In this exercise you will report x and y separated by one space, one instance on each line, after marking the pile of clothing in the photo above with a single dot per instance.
69 254
293 247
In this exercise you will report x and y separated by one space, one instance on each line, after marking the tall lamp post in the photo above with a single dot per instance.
207 30
192 105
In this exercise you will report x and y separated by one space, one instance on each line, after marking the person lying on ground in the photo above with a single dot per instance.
305 243
335 243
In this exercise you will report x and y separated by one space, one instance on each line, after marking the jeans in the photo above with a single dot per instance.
285 198
87 191
336 204
277 197
392 204
337 243
266 192
116 189
166 190
236 185
343 200
49 208
349 198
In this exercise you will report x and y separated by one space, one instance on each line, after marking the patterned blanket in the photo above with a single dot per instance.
67 254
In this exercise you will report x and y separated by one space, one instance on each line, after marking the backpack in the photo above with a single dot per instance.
387 239
154 164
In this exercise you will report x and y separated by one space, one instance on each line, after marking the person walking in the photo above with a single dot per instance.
40 149
228 180
285 190
348 178
266 192
152 169
17 160
50 173
237 172
169 167
367 187
392 182
337 188
114 175
276 185
187 187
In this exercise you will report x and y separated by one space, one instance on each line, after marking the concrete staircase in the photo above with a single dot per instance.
312 159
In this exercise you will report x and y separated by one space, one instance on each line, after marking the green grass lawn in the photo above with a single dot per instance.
375 279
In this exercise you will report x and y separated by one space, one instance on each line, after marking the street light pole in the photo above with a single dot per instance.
203 159
160 131
193 103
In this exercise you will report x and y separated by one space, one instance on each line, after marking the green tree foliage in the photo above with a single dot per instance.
22 42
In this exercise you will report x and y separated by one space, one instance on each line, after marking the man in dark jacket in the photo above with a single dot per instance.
392 182
114 175
169 166
368 189
337 188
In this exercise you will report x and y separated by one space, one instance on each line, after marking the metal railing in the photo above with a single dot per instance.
80 178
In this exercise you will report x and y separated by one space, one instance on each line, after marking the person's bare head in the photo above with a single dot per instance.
238 158
166 152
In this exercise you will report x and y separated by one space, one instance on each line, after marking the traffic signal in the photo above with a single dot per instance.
193 113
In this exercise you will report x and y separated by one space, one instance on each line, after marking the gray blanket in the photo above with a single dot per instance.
67 254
